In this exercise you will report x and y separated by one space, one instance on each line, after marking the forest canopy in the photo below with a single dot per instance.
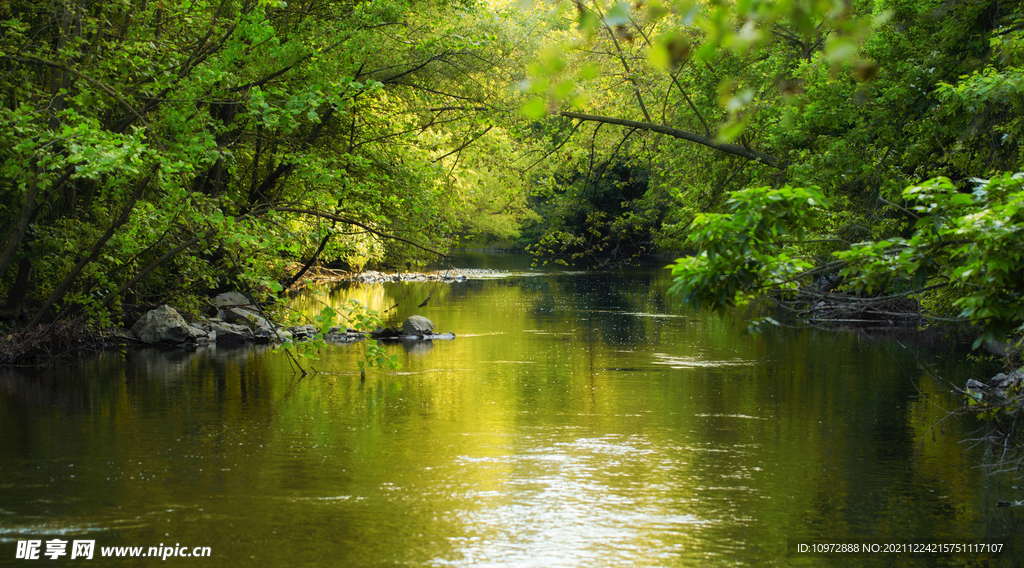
154 151
857 157
806 151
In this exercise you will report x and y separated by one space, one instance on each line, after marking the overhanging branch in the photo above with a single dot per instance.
333 217
747 153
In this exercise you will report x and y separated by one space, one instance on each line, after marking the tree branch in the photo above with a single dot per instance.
333 217
65 284
747 153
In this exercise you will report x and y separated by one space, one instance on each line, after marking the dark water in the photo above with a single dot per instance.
578 419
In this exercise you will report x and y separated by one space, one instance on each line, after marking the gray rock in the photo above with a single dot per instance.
230 333
246 317
163 325
231 299
976 385
203 325
417 325
303 331
344 337
198 333
263 335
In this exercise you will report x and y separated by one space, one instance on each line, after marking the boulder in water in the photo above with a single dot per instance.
163 325
417 325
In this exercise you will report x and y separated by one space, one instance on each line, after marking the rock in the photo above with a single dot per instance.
231 299
230 333
163 325
203 325
976 385
264 335
303 331
199 333
996 387
243 316
417 325
349 336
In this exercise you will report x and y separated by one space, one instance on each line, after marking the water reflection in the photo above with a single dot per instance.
574 504
575 420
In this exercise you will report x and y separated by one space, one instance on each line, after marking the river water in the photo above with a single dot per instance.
578 419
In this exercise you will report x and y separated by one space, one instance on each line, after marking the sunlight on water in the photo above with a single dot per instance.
730 416
576 420
697 362
641 314
574 504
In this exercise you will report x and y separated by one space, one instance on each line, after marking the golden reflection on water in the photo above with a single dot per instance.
568 424
573 504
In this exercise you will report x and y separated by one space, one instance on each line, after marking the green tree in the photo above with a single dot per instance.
832 110
152 151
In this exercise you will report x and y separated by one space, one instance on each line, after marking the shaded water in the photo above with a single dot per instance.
578 419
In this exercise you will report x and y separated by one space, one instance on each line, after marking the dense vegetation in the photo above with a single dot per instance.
157 151
850 158
817 153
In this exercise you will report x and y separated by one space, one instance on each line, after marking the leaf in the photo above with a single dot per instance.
961 199
535 108
618 15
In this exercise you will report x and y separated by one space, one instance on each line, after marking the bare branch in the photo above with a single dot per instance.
333 217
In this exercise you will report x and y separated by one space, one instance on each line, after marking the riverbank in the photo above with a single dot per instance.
320 275
238 320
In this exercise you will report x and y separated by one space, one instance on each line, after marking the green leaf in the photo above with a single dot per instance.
535 108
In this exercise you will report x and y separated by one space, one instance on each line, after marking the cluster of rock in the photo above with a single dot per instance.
238 320
996 387
374 277
414 328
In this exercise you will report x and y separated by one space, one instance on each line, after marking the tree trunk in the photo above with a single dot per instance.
65 284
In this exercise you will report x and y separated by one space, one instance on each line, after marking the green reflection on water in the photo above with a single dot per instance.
576 420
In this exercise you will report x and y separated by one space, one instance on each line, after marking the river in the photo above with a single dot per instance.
578 419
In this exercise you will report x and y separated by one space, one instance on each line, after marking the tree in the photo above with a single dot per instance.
155 151
839 119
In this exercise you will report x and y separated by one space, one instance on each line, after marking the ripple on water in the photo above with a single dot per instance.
571 504
741 416
698 363
56 529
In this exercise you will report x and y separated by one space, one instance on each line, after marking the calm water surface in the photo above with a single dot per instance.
578 419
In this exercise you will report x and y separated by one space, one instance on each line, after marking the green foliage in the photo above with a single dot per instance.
154 152
354 316
750 248
967 243
859 99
